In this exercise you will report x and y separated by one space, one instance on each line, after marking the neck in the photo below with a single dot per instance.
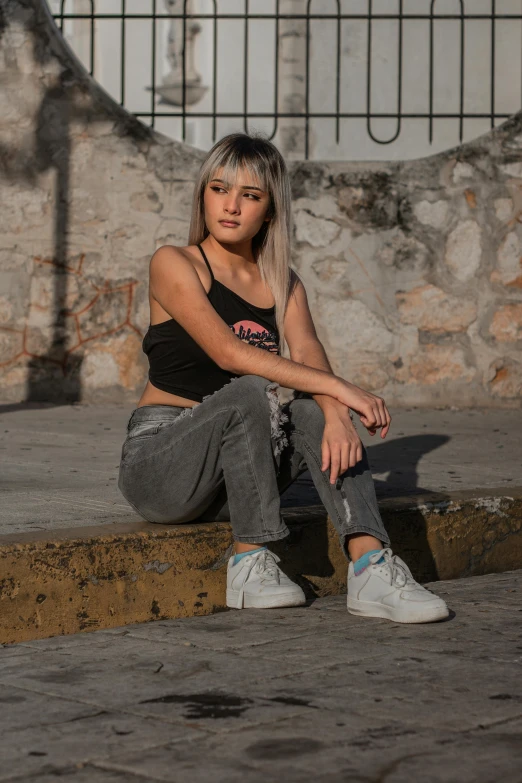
233 256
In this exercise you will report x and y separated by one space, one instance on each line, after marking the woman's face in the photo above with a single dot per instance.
235 211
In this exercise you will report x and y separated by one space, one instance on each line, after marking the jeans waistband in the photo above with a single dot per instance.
155 413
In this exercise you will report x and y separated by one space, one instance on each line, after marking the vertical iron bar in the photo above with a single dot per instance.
245 71
122 74
215 76
338 72
91 4
462 66
307 78
369 69
493 54
153 74
276 71
430 110
184 77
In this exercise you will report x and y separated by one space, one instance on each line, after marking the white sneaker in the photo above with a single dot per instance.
257 582
389 590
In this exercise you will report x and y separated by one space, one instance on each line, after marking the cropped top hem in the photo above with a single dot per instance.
175 390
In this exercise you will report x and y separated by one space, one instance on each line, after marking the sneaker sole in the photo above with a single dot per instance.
266 602
368 609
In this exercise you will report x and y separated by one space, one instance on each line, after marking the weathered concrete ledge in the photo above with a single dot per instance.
81 579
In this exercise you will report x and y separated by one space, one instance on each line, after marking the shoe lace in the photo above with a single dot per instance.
398 572
264 563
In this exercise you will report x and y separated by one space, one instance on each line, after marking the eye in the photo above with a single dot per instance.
256 198
215 187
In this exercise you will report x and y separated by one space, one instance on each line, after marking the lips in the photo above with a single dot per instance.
228 223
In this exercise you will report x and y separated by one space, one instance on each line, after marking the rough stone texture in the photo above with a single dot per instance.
64 581
263 695
413 269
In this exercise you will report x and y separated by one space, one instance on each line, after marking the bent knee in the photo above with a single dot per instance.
307 415
252 390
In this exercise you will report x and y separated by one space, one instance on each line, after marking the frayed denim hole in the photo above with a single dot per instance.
346 506
277 418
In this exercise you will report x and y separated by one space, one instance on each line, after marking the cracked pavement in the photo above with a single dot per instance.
308 692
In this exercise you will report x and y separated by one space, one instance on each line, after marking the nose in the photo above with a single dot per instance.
232 204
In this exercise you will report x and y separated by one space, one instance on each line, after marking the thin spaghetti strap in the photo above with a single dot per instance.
206 262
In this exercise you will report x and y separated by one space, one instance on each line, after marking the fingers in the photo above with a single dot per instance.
388 422
325 450
375 416
342 457
335 464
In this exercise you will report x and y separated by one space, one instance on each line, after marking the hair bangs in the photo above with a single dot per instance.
230 164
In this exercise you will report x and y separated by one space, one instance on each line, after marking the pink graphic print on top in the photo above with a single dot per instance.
255 334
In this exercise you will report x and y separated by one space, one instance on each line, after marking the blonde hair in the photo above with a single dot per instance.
271 245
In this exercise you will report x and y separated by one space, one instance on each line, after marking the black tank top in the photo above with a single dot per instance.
177 364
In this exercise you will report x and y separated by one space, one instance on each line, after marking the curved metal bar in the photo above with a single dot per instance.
336 16
369 79
432 69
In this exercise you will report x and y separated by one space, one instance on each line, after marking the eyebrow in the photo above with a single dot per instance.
245 187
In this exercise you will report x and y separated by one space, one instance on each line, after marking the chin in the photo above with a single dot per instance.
229 235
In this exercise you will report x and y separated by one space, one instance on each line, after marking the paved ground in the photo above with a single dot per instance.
292 694
59 464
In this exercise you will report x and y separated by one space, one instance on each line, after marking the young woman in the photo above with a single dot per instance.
210 439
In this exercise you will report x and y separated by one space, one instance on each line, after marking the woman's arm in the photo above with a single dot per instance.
176 286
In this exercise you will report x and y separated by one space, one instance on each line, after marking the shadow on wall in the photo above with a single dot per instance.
56 375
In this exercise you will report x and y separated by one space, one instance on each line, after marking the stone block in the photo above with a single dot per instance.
317 232
506 325
505 379
431 309
434 214
509 262
438 363
463 250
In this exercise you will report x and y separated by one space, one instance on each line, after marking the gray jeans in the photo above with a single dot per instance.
231 456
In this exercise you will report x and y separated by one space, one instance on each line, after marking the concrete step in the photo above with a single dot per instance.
68 580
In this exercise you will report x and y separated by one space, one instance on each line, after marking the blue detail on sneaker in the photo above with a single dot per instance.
364 561
237 558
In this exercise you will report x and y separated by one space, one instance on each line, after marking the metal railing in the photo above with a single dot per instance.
181 93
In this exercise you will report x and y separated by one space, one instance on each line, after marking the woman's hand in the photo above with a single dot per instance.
371 409
341 447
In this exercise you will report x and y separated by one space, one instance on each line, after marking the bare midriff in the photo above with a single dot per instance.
153 396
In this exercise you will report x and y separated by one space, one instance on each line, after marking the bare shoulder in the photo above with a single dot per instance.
174 261
167 254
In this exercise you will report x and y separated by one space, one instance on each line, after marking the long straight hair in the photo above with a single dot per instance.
271 245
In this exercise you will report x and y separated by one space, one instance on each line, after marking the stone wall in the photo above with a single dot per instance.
413 270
